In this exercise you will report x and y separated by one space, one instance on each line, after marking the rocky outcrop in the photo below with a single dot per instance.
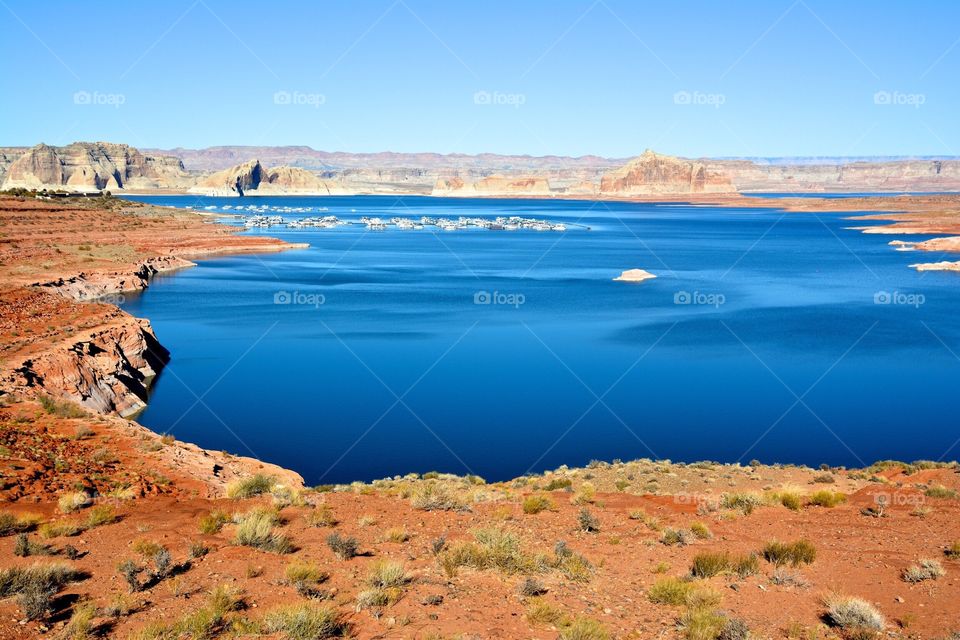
944 265
85 287
92 166
495 185
634 275
107 369
654 174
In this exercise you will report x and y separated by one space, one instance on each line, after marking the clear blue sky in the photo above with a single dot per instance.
771 77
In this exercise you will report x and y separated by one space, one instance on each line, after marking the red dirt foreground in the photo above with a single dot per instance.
110 530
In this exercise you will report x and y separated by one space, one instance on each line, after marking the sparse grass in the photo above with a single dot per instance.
100 515
305 622
826 498
557 484
783 577
80 625
670 590
322 516
925 569
73 501
535 504
940 491
700 530
343 547
209 621
531 588
305 575
214 521
35 586
251 486
23 547
652 523
953 551
492 549
255 529
584 494
709 564
11 524
584 629
542 612
793 553
854 614
436 497
742 502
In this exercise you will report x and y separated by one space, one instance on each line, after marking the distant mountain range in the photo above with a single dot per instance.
93 166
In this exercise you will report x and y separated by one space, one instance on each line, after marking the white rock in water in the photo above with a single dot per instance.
634 275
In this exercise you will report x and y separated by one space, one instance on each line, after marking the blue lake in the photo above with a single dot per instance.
784 337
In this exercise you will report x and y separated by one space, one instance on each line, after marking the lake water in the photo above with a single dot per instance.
784 337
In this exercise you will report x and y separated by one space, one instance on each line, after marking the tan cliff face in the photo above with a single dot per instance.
652 174
90 166
493 185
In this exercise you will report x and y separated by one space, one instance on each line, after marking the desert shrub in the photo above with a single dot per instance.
742 502
746 565
251 486
255 529
198 550
213 522
100 515
672 591
700 530
535 504
584 494
492 549
305 622
639 514
438 544
209 621
80 625
120 605
322 516
131 571
61 408
587 522
584 629
925 569
784 577
679 537
23 546
702 624
708 564
793 553
436 497
305 576
11 524
557 484
541 612
734 629
35 586
940 491
531 587
343 547
824 478
788 498
826 498
386 580
36 601
396 534
851 614
73 501
953 551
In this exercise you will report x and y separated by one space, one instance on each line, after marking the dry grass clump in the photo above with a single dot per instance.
492 549
584 494
80 625
433 496
651 522
305 622
322 516
678 592
35 586
953 551
73 501
783 577
100 515
60 528
557 484
255 529
679 537
535 504
542 612
789 498
395 534
826 498
61 408
209 621
584 629
925 569
702 624
940 491
214 521
854 616
304 577
793 553
587 522
11 523
742 502
343 547
24 547
700 530
386 581
251 486
709 564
